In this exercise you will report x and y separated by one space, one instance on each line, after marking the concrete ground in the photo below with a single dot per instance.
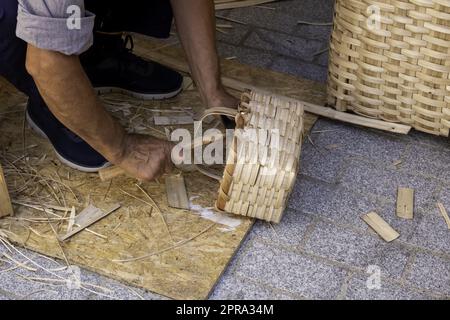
322 249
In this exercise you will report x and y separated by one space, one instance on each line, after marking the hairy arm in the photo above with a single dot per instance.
195 20
66 89
71 98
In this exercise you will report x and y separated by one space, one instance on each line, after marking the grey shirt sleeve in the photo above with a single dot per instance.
57 25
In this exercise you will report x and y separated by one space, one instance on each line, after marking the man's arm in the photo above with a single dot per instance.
53 63
196 27
66 89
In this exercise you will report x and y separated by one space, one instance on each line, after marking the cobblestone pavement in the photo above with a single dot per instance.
322 249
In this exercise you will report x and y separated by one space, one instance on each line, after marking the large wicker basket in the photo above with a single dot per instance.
262 167
390 59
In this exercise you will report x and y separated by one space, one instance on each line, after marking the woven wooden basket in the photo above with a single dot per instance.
395 68
262 167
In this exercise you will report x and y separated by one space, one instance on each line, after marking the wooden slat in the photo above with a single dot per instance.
380 226
6 208
444 214
405 203
182 66
222 5
176 192
88 217
110 173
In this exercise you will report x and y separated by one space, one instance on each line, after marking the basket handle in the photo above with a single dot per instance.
222 111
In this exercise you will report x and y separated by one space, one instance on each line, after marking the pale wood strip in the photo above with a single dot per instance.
405 203
380 226
176 192
6 208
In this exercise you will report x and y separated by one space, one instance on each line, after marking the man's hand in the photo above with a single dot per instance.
221 98
145 157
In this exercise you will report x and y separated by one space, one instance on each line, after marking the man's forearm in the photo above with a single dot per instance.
195 21
71 98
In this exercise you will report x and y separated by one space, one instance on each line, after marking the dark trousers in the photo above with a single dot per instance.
151 18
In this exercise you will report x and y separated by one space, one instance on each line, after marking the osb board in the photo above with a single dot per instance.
189 271
276 82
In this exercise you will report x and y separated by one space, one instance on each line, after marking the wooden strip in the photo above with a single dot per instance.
444 214
90 217
88 214
240 4
71 219
380 226
176 192
405 203
110 173
6 208
182 66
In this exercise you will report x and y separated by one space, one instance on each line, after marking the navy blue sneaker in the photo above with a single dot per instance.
69 148
112 67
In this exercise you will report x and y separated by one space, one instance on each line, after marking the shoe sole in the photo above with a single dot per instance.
158 96
63 160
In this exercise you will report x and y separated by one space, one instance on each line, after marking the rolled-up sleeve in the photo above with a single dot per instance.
57 25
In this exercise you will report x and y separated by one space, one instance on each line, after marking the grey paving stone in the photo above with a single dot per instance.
428 139
232 287
322 58
6 295
321 163
432 233
346 207
357 249
367 178
300 69
280 19
290 271
444 196
429 160
248 56
361 142
358 290
311 195
290 231
232 35
328 124
431 272
20 282
334 202
321 33
404 227
283 44
309 10
426 190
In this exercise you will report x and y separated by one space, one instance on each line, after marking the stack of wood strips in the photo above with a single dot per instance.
390 60
230 4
